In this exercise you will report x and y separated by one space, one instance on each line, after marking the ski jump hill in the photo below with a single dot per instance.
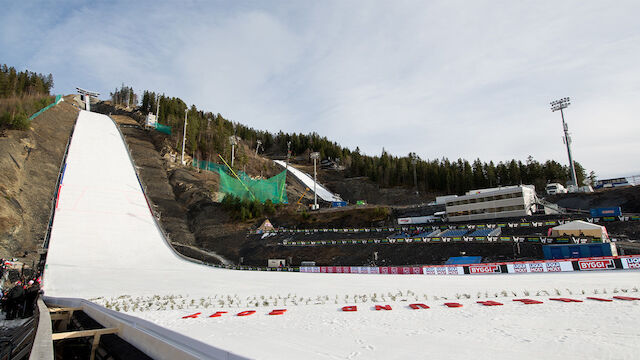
108 256
307 180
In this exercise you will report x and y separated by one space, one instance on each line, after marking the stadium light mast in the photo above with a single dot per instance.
184 135
315 156
414 161
559 105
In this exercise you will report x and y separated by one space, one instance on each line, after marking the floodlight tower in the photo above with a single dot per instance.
559 105
184 135
315 156
414 161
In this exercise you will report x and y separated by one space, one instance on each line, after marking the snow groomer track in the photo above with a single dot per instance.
106 249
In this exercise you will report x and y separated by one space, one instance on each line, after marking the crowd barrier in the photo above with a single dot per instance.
490 239
582 264
525 224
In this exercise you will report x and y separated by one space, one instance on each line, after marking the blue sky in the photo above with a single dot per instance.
439 78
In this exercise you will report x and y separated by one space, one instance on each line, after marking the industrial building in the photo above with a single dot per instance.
508 201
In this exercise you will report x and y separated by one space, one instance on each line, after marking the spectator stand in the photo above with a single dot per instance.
542 223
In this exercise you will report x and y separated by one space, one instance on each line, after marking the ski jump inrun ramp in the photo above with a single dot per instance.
105 244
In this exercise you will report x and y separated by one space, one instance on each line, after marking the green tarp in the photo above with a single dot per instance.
273 189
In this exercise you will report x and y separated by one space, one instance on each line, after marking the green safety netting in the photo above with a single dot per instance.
244 187
163 128
273 189
208 165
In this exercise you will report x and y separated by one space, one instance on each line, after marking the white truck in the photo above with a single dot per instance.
555 188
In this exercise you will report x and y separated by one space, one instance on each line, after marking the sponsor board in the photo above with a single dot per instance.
539 266
485 269
442 270
603 263
631 263
600 264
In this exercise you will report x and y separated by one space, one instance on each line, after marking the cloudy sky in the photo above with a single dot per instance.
469 79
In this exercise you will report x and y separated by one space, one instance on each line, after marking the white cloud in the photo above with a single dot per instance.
454 79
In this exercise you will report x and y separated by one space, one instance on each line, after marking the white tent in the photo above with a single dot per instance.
580 228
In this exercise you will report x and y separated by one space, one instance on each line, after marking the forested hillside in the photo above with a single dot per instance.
22 94
208 135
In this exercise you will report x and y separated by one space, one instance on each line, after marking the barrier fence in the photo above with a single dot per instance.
627 262
460 239
527 224
583 264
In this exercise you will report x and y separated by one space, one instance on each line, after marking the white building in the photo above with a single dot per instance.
151 120
509 201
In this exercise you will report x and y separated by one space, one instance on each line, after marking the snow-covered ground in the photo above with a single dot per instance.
323 193
105 246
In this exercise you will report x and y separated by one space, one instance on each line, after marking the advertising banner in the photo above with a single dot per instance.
539 266
631 263
485 269
443 270
597 264
585 264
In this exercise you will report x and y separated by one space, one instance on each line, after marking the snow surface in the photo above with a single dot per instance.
323 193
106 247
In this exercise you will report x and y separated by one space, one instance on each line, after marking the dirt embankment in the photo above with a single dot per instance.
29 165
152 170
627 198
353 189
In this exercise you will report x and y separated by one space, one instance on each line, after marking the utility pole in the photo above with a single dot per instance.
414 161
184 135
559 105
234 141
286 166
157 108
315 156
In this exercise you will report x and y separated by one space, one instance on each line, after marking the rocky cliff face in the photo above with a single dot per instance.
29 165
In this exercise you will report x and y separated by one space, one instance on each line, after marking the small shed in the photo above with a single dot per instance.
580 228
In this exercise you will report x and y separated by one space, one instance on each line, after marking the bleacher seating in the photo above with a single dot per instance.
453 232
401 235
481 232
426 234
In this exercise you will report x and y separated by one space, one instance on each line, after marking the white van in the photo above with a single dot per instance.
555 188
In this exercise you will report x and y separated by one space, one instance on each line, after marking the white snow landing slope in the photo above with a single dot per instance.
105 247
323 193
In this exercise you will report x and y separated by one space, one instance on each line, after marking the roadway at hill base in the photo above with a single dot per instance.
106 247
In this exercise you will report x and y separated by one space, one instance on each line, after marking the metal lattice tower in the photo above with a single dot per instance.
559 105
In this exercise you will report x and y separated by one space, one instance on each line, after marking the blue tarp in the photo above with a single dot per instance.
459 260
574 251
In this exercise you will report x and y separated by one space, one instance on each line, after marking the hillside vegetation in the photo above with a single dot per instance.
208 135
21 95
